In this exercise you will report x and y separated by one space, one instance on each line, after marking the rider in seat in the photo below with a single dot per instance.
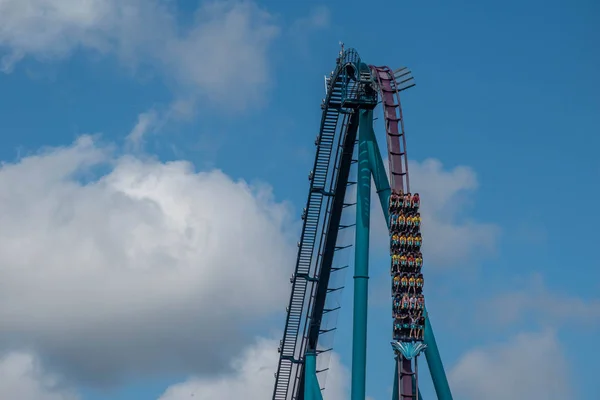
412 284
417 220
406 201
414 325
411 261
404 282
418 240
395 242
419 260
421 324
403 262
419 282
409 221
401 221
415 201
405 302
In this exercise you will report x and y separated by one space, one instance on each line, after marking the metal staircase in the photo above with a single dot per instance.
304 277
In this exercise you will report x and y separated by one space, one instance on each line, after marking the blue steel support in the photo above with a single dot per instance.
382 185
434 361
395 392
361 264
312 389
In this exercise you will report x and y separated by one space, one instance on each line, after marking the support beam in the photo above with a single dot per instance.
312 389
382 185
396 391
361 264
436 367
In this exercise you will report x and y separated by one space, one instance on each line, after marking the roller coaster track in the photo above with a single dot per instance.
390 85
323 210
322 214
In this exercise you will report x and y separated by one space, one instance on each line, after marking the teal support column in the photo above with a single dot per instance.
436 367
432 354
312 389
361 265
395 391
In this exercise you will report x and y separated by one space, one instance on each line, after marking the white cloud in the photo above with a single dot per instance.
448 237
530 366
22 378
548 307
253 379
222 54
146 121
146 268
318 18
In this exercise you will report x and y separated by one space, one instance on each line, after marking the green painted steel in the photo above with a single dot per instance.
312 389
361 262
396 392
436 367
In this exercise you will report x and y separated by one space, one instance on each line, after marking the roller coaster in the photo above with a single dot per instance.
346 138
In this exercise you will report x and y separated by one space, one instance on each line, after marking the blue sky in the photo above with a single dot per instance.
506 102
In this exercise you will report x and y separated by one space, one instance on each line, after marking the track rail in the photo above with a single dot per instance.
317 310
390 85
321 217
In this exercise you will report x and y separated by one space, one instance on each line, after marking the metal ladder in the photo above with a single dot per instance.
304 274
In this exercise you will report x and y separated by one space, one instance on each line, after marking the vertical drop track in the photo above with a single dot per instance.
349 89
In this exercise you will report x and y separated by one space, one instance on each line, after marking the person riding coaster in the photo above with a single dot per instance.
417 220
404 281
421 323
393 221
410 240
419 260
412 284
392 201
408 221
405 302
418 240
395 242
419 282
406 201
414 326
393 272
399 200
421 302
413 303
401 221
410 260
397 329
396 306
415 201
403 261
402 241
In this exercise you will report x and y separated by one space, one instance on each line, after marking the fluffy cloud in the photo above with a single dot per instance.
21 377
135 264
448 237
548 307
225 41
253 378
530 366
319 18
